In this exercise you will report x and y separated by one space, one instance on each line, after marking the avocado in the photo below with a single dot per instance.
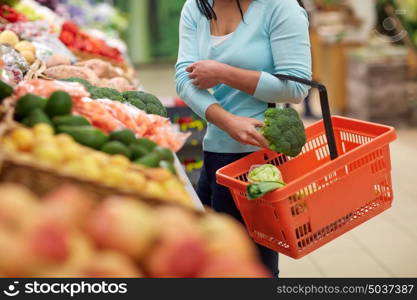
138 151
85 135
27 104
5 90
116 147
150 160
70 121
36 117
59 104
164 154
168 165
124 136
146 143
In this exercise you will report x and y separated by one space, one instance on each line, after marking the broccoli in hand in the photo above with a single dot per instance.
284 130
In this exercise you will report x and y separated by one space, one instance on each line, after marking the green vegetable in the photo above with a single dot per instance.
265 173
146 143
85 135
138 151
258 190
145 101
5 90
27 104
37 116
164 154
284 130
168 165
59 104
105 93
84 82
150 160
70 121
116 147
124 136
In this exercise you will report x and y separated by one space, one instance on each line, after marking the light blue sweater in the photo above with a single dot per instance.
273 38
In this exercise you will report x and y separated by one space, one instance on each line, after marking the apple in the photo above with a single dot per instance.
110 264
123 224
17 205
223 235
82 252
14 259
69 204
180 250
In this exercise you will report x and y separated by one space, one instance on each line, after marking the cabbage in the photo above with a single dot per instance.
265 173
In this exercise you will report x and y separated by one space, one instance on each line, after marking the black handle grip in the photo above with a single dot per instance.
325 109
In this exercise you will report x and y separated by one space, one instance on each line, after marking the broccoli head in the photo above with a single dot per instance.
147 102
285 131
105 93
84 82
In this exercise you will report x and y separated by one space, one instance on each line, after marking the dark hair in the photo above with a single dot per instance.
207 9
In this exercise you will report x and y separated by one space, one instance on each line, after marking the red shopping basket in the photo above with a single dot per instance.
341 179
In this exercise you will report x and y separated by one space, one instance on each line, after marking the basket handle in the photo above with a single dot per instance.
325 109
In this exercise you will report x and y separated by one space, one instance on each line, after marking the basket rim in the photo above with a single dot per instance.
293 187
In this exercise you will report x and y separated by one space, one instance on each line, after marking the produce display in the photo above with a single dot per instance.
75 39
68 233
25 48
108 115
40 147
285 131
75 128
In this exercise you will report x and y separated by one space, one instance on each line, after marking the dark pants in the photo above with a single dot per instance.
219 198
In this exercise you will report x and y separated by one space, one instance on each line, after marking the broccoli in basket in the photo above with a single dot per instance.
146 102
105 93
284 130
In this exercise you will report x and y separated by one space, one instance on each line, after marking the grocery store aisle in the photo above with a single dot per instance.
383 247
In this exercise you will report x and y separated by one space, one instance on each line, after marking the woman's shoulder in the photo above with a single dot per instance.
191 10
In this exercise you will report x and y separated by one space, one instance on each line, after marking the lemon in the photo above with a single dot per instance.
113 176
48 153
43 129
64 140
134 181
70 152
9 145
119 160
23 139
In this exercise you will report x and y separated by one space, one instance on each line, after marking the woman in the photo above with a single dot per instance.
228 51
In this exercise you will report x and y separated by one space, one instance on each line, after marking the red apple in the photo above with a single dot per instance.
109 264
123 224
17 205
225 236
69 204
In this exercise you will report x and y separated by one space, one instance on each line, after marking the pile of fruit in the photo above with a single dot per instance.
68 234
11 15
25 48
75 39
40 147
109 115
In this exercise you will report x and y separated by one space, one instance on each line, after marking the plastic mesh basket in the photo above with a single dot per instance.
329 190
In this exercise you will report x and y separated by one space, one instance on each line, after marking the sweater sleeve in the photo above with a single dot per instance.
290 43
198 100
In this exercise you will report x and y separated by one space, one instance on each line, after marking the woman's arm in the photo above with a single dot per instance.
241 129
290 45
198 100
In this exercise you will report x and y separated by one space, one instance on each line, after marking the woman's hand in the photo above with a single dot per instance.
206 73
244 130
